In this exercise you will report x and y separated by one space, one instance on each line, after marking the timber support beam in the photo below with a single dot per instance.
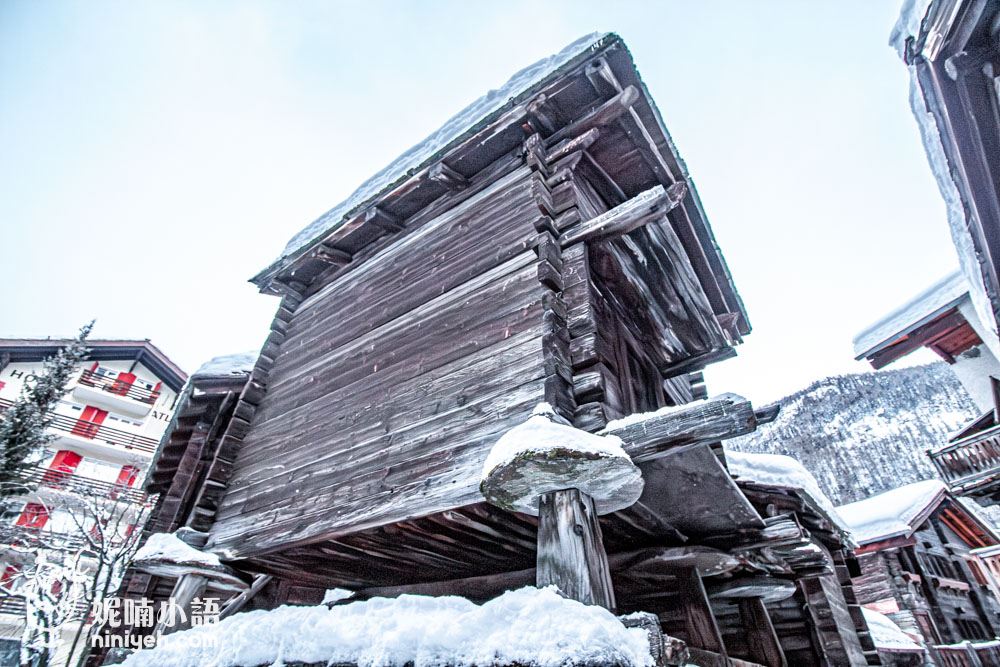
636 212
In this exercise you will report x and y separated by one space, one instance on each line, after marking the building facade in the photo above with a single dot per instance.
106 432
927 562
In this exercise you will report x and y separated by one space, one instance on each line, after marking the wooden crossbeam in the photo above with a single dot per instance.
636 212
917 338
720 418
602 115
447 177
381 218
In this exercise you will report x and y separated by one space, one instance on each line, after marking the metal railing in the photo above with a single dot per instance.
23 536
96 432
38 477
89 378
972 459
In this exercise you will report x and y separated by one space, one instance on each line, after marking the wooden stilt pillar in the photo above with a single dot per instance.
703 632
761 637
177 616
571 552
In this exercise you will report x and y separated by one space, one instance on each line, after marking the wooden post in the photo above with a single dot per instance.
571 552
761 637
703 632
177 615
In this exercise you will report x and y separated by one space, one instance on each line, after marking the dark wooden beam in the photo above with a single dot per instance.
919 337
447 177
703 632
760 634
386 221
331 255
720 418
602 115
636 212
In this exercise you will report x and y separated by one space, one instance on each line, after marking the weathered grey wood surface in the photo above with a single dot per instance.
571 552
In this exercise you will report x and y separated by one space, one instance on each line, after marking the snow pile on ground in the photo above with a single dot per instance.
887 635
783 471
168 547
229 364
540 434
528 626
451 132
891 513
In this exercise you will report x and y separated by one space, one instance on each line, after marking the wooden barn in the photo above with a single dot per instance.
928 562
546 246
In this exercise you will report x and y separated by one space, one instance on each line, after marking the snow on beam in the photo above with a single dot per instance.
650 435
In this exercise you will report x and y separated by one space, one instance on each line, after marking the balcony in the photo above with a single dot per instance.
971 466
96 438
122 396
38 478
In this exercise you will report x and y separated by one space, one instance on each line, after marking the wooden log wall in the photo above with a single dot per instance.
417 359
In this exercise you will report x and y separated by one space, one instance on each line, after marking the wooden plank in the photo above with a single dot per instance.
761 637
602 115
723 417
571 552
703 632
636 212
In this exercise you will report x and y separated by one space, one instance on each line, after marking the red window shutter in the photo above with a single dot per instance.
94 367
127 475
123 383
86 426
33 516
62 467
66 461
8 575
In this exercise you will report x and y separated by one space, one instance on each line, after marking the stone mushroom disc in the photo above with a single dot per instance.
546 454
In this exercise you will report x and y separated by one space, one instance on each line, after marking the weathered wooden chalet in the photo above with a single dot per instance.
919 551
547 245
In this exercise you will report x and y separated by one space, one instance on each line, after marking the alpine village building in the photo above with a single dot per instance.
106 431
547 245
929 562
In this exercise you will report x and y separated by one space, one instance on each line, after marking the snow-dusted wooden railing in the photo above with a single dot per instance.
969 460
968 654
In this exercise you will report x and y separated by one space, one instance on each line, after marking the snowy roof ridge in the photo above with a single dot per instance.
463 124
892 513
887 635
782 471
921 309
228 364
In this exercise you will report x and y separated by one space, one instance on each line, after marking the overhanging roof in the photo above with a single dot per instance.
923 309
142 351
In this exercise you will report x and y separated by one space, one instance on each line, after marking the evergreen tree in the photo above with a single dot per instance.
22 428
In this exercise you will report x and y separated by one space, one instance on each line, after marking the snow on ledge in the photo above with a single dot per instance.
529 626
540 434
782 471
887 635
229 364
168 547
890 513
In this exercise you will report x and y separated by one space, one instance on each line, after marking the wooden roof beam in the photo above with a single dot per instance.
636 212
917 338
720 418
602 115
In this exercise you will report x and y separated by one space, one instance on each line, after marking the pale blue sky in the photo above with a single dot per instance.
155 155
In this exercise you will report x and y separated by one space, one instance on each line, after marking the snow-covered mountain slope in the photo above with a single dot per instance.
866 433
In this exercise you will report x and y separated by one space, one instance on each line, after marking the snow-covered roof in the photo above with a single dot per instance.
893 513
781 471
461 125
228 364
528 626
918 311
887 635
